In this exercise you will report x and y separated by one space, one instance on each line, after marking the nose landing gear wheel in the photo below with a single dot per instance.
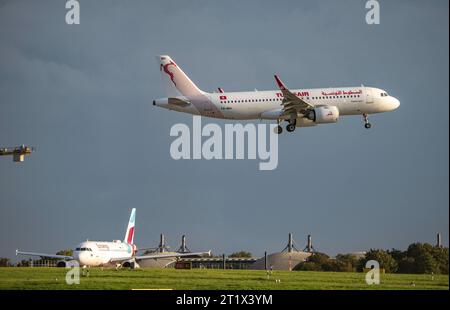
278 130
366 121
290 127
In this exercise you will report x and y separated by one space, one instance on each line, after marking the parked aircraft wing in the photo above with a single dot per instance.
154 256
44 255
160 255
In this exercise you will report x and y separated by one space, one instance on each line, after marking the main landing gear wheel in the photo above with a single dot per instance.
290 127
278 130
366 121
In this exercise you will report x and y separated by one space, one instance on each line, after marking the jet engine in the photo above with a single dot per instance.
323 114
132 264
67 263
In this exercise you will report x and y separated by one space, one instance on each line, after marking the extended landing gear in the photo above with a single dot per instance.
85 271
290 127
366 121
278 130
292 123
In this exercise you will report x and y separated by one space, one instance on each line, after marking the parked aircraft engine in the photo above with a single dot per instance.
132 264
67 263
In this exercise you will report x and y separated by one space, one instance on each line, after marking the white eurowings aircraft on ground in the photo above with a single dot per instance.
299 107
116 253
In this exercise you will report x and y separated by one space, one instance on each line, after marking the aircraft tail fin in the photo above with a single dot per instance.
129 234
175 80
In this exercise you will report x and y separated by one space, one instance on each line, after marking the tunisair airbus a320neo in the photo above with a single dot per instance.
298 107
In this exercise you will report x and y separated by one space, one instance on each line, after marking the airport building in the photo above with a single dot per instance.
216 263
221 262
287 259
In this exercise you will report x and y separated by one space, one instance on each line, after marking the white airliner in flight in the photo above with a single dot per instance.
116 253
298 107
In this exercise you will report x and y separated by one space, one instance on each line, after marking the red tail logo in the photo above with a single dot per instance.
166 70
130 235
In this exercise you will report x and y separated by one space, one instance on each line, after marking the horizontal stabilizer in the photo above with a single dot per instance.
179 102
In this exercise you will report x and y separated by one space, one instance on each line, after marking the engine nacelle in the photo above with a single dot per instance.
67 263
132 264
304 122
323 115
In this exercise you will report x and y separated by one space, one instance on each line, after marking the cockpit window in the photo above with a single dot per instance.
83 249
384 94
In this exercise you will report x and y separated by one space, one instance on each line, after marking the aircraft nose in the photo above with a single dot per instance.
395 103
83 258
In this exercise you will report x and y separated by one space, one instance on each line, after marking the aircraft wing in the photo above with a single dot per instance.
155 256
291 103
44 255
159 255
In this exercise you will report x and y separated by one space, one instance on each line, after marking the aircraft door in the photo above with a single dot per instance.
369 97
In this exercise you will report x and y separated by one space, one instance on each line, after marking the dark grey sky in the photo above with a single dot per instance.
82 95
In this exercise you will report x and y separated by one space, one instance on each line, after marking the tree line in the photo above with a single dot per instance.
418 258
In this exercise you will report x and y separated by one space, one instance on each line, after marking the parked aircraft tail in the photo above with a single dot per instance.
129 235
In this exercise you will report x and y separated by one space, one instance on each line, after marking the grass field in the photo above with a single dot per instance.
54 278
